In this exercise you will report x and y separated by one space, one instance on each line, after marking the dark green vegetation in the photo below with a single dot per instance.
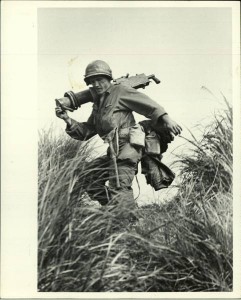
182 245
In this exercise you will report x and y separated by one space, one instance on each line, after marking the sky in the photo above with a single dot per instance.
188 49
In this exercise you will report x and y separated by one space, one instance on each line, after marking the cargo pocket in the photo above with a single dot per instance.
128 152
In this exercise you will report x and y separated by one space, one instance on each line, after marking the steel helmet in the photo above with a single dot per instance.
97 67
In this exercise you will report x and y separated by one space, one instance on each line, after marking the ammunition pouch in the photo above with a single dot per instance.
152 144
137 136
128 151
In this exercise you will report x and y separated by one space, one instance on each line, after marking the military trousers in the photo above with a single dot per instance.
100 181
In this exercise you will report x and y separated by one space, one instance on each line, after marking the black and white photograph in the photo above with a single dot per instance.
124 129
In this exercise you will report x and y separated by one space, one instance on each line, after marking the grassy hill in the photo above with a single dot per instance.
181 245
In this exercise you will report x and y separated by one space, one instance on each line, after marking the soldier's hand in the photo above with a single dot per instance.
171 125
62 114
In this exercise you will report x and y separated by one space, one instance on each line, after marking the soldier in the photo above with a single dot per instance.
113 110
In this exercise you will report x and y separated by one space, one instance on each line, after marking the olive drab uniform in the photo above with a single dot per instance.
114 109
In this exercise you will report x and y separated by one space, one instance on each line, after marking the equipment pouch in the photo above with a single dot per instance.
152 143
137 136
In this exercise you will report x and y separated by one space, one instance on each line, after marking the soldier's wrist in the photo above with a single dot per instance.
162 118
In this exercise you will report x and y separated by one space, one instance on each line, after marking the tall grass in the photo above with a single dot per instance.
182 245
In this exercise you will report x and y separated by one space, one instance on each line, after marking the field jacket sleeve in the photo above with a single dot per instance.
141 104
81 131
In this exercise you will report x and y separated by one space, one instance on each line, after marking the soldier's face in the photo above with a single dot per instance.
100 84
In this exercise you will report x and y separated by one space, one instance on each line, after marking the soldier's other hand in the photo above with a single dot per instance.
170 125
62 114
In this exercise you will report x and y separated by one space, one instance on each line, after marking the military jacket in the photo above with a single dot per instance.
115 109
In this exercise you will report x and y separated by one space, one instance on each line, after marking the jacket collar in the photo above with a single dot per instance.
109 90
106 93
